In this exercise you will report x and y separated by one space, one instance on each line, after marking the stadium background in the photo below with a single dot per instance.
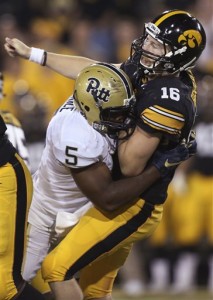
104 30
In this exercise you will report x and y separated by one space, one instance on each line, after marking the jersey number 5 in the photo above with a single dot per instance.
170 93
72 158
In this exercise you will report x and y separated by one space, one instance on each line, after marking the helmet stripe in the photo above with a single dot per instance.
169 14
117 71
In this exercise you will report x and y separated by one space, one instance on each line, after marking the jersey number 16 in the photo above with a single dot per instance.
170 93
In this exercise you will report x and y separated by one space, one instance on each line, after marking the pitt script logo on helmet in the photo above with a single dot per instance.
183 39
99 93
104 94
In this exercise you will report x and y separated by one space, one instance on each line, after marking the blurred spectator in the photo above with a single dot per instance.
203 10
132 274
125 31
160 250
194 222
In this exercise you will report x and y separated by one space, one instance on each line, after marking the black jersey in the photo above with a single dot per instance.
168 105
3 127
6 148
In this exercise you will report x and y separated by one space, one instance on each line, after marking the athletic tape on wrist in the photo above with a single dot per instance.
37 55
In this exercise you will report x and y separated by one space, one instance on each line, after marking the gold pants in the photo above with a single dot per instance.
99 245
15 198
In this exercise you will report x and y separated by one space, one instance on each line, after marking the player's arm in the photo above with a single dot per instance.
66 65
135 152
96 182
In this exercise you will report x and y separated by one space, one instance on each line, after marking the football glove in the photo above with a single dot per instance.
134 72
167 161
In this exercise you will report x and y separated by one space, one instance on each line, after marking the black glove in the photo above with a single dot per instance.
192 144
134 72
167 161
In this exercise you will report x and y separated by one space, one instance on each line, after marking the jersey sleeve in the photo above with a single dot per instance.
157 117
78 145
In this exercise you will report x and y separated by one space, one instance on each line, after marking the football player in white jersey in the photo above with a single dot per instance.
98 95
75 149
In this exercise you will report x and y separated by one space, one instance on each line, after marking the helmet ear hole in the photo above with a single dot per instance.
87 108
104 94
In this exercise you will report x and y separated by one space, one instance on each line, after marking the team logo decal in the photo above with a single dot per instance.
190 38
99 94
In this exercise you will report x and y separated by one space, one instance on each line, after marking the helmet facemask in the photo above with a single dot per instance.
161 63
117 122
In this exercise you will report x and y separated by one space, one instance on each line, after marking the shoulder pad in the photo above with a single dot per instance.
10 119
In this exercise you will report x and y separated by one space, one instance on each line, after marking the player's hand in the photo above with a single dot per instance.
134 73
167 161
15 47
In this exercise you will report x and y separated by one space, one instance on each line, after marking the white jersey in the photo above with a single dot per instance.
70 143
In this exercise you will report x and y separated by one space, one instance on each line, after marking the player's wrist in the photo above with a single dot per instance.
161 162
38 56
162 169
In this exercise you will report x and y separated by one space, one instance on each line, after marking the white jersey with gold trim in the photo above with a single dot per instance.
70 143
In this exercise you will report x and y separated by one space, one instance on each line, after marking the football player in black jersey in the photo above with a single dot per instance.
15 132
159 67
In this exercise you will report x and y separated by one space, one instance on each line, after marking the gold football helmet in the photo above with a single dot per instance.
104 94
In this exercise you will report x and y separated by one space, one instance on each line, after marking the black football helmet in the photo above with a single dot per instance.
177 31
